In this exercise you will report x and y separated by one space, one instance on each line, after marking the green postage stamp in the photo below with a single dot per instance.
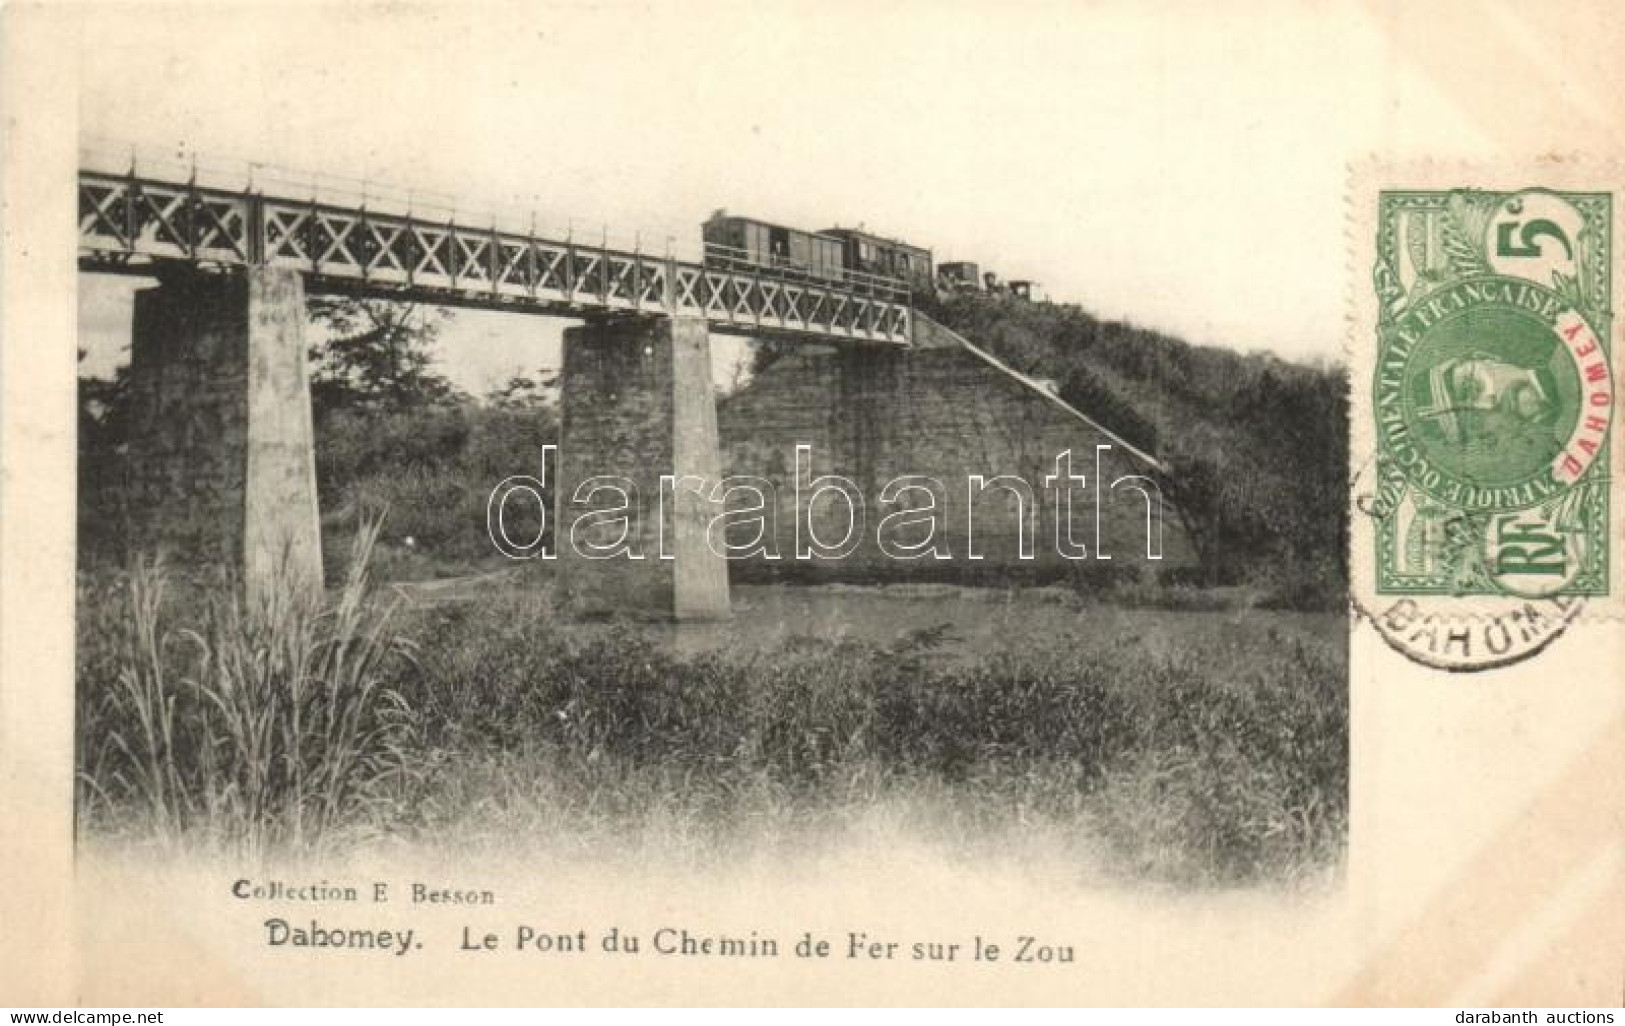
1488 408
1493 392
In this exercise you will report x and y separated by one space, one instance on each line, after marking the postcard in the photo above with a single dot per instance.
812 504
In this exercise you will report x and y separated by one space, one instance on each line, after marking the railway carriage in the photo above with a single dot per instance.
867 253
744 242
848 255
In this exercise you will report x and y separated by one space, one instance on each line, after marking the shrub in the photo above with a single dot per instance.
1195 769
246 729
428 473
1217 758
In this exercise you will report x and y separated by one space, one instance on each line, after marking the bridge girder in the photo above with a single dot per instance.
128 223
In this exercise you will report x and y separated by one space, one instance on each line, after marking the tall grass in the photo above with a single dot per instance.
205 722
1218 758
1183 768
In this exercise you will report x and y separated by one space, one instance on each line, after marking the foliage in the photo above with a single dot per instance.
393 440
428 472
377 356
524 392
240 730
1257 446
1188 768
1218 758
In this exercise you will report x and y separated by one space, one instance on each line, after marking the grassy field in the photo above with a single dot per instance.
1192 748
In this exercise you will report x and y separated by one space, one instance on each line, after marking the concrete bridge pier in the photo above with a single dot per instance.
864 431
222 464
638 404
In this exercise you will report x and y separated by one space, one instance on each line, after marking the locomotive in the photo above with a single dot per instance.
851 256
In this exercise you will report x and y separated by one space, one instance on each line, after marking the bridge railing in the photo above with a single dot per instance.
246 177
127 216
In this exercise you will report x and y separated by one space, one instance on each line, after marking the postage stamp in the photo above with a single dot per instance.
1486 367
1493 392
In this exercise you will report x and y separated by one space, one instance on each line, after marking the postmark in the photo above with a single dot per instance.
1484 397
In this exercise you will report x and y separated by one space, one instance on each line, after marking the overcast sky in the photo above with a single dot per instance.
1182 166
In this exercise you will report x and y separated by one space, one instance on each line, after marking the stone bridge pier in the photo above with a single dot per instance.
638 405
222 466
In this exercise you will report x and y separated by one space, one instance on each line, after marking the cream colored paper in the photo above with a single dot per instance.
1486 860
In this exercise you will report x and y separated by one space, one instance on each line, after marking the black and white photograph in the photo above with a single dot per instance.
816 517
753 504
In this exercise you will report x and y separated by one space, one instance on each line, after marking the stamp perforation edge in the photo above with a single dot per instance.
1366 180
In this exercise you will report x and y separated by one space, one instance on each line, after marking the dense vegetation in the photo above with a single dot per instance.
1196 765
394 439
1257 446
396 442
429 473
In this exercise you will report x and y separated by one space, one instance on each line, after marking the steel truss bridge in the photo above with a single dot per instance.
130 223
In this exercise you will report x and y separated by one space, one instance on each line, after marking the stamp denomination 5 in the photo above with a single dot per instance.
1488 408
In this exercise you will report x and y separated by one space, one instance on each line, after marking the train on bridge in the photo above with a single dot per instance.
850 255
754 277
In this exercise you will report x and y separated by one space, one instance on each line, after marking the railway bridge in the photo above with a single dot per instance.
221 456
222 462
